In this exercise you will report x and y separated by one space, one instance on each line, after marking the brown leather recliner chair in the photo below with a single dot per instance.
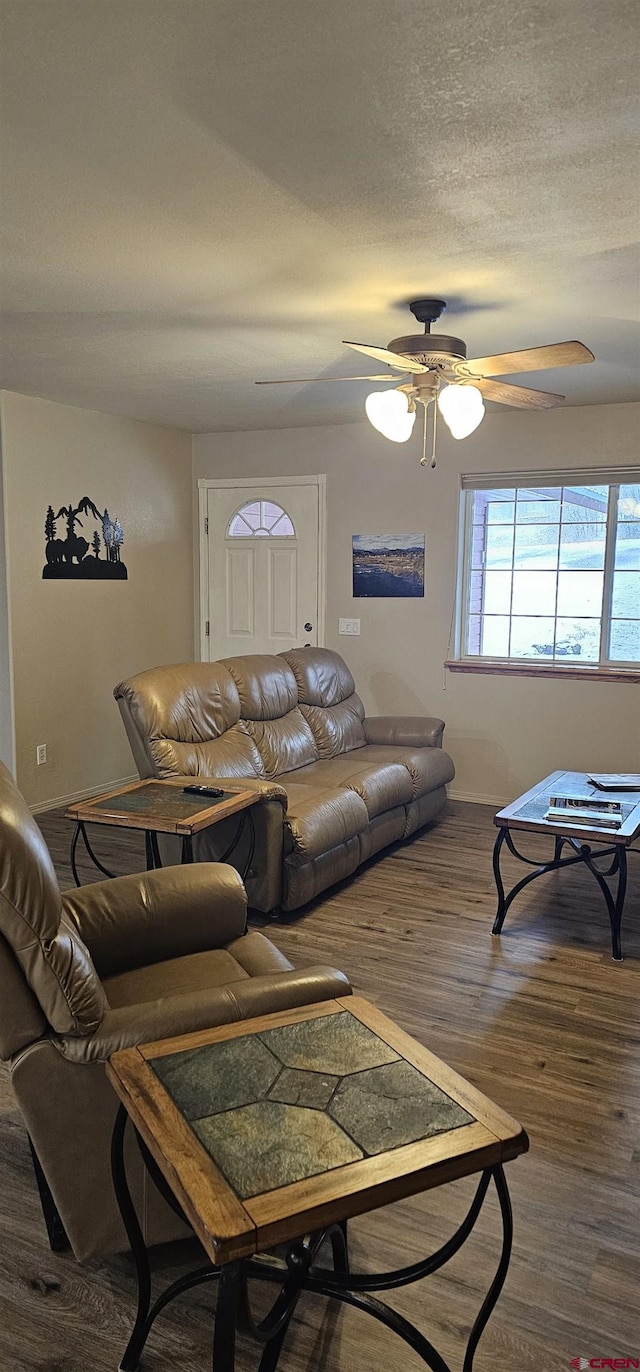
104 967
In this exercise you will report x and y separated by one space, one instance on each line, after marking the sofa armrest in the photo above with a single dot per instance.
407 731
131 1025
134 921
266 790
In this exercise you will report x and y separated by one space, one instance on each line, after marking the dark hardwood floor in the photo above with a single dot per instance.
541 1020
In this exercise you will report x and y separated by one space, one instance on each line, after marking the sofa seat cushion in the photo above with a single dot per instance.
382 786
428 768
318 820
175 977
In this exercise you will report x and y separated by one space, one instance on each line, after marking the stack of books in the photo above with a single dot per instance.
581 810
616 781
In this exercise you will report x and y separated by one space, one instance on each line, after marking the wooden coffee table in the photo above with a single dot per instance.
162 807
527 813
280 1129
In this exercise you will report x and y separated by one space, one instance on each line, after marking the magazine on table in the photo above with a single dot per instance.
616 781
580 810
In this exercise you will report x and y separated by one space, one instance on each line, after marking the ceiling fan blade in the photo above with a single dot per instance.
304 380
404 364
521 396
529 360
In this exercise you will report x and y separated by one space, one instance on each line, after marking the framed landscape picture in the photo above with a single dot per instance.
387 565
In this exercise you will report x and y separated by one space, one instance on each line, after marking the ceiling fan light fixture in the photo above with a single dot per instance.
390 414
461 408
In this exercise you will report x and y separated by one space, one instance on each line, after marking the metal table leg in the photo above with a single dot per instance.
298 1273
580 853
80 832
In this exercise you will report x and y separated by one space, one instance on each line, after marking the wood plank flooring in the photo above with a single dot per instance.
541 1020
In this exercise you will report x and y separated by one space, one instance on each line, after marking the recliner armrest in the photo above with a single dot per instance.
171 1016
407 731
133 921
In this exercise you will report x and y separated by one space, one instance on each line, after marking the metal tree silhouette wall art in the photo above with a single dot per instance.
69 558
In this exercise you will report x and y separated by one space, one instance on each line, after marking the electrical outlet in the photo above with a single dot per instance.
349 626
41 754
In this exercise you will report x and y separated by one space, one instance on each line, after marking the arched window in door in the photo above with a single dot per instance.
261 519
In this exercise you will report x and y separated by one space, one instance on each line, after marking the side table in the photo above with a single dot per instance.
277 1131
607 859
162 807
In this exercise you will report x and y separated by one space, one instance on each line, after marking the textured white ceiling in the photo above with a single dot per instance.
199 193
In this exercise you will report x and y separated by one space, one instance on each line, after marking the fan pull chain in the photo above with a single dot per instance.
435 423
423 459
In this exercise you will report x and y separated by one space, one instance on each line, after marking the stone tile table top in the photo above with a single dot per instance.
302 1118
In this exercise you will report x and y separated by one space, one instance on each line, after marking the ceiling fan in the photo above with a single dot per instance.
440 371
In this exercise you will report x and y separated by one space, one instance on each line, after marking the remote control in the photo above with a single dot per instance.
213 791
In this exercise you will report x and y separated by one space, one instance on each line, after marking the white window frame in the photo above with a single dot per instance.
589 476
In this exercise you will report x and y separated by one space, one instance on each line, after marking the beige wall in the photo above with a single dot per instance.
504 733
73 640
7 741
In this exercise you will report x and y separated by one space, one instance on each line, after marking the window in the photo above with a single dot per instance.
261 519
551 573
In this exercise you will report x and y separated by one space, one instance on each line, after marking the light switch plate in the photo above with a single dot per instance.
349 626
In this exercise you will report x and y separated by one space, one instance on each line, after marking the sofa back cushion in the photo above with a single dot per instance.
328 700
185 719
268 697
54 961
265 685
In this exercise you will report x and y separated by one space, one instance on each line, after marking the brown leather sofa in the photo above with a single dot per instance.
335 787
104 967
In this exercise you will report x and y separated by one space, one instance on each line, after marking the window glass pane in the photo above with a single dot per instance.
269 513
495 635
478 540
239 528
629 502
476 590
283 528
493 507
533 510
497 593
531 637
499 546
580 593
582 545
577 640
584 504
480 500
501 511
536 545
260 519
628 545
474 634
625 640
625 601
534 593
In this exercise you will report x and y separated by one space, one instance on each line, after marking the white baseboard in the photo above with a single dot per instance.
498 801
57 801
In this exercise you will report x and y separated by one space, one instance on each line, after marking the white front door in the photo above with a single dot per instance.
260 569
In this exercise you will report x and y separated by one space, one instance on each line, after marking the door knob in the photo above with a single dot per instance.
308 627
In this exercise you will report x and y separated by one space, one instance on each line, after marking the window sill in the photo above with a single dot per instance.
538 669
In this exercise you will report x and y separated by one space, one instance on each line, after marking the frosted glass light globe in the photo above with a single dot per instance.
461 408
389 413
